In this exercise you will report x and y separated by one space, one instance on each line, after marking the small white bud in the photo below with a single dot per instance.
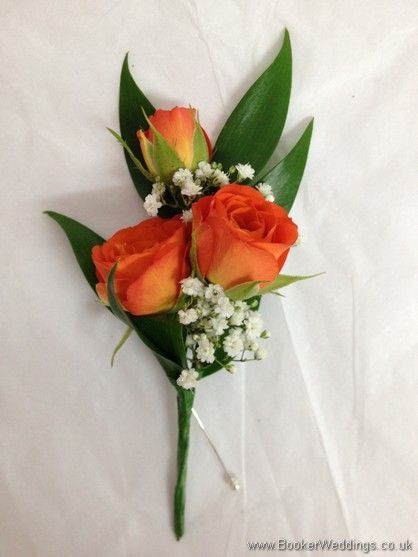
190 189
260 354
205 350
187 216
233 343
152 204
245 171
188 379
224 307
213 292
266 191
220 178
231 368
192 286
203 171
181 176
158 190
188 316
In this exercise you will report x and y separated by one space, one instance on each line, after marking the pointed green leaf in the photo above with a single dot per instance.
166 160
166 333
133 158
114 302
252 289
119 345
284 280
286 176
253 130
200 147
131 118
82 240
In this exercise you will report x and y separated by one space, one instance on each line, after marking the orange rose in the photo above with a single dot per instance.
152 259
180 131
241 237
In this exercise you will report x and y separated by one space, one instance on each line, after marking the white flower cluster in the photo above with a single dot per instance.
153 201
185 187
206 175
188 378
265 190
245 172
218 329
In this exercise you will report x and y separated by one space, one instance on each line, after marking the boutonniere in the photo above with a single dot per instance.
189 279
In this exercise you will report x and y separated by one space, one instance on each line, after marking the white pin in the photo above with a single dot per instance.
230 477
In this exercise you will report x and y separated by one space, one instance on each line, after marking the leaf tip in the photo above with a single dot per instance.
115 134
308 131
126 61
146 117
286 38
51 214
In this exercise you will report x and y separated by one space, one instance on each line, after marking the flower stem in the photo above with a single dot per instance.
184 408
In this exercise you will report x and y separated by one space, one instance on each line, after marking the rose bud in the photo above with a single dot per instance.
241 237
152 260
174 140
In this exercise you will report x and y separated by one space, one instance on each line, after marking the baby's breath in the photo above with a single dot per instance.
266 191
188 378
186 187
218 329
245 171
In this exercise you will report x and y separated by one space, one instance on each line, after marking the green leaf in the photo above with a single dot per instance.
166 160
114 303
82 240
133 158
253 130
286 176
200 147
252 290
243 291
131 119
284 280
119 345
163 334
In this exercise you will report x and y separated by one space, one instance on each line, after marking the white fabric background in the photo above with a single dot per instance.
323 434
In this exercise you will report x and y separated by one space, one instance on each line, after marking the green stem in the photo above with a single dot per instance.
184 408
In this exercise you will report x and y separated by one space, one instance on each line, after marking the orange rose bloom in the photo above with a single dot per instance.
152 259
241 237
181 131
